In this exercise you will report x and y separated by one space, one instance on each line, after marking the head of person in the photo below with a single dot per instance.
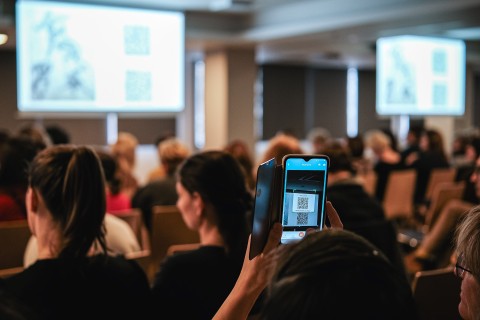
472 149
413 135
377 140
240 151
172 152
15 156
336 274
66 198
281 145
467 246
356 146
110 170
340 163
124 148
57 134
319 138
211 191
432 141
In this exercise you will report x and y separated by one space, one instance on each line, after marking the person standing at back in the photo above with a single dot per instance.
66 208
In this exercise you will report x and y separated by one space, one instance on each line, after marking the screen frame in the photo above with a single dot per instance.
425 90
123 107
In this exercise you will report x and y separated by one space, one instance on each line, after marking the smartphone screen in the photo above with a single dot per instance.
263 206
304 185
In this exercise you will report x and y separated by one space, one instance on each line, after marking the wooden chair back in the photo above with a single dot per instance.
443 192
439 175
398 199
135 220
437 294
14 236
168 229
369 182
142 258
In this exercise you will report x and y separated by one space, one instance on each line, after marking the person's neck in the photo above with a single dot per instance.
338 176
48 241
210 235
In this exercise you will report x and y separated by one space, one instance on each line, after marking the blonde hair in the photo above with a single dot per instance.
172 152
467 240
281 145
377 140
125 147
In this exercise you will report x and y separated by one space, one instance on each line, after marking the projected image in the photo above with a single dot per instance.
420 76
78 57
58 69
302 197
400 80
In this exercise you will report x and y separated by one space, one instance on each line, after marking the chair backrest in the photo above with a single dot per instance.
437 294
14 236
176 248
142 258
398 198
135 220
443 192
439 175
168 229
369 181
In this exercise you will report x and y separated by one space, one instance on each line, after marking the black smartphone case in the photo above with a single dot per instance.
266 209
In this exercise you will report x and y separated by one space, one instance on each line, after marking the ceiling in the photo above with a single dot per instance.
335 33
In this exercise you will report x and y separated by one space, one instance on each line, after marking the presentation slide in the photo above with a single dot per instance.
90 58
420 76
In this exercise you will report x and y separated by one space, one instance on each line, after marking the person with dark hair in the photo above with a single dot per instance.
117 201
360 212
431 155
335 274
57 134
213 200
66 208
15 156
413 140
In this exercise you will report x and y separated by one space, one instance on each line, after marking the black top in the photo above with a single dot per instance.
383 169
99 287
193 285
159 192
427 161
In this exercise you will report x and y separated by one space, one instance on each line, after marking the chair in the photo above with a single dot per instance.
437 294
142 258
168 229
439 175
176 248
14 236
134 218
5 273
369 182
443 193
398 198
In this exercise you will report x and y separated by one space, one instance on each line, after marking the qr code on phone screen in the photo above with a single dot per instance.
302 218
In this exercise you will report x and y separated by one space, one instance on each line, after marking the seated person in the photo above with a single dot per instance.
162 191
66 209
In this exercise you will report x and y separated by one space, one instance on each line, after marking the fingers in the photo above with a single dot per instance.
333 217
273 238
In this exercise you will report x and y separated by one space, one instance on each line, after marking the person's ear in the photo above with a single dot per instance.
32 200
199 204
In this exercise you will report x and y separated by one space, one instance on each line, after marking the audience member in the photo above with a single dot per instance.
159 172
431 156
467 246
386 160
335 274
279 146
117 200
360 212
391 137
15 156
57 134
35 133
319 138
239 150
332 274
436 244
66 209
213 200
124 151
162 191
413 140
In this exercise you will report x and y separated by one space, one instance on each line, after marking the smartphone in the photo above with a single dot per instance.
265 210
304 198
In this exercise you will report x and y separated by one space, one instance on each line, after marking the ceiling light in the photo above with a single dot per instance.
3 38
